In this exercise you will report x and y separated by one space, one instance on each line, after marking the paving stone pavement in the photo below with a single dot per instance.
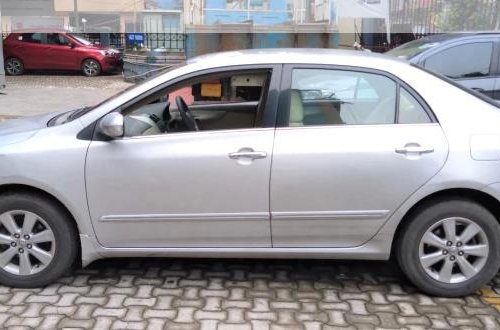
66 80
238 295
34 93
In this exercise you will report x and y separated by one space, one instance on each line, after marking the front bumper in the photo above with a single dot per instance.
112 64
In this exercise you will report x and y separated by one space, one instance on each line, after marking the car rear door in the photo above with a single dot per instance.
30 48
342 163
471 62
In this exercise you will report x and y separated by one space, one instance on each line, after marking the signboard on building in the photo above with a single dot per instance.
135 38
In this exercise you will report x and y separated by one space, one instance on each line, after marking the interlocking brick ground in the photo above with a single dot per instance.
237 294
33 94
66 80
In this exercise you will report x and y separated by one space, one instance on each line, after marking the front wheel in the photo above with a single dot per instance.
91 68
38 242
450 248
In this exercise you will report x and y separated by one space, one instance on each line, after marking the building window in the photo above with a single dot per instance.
163 4
244 4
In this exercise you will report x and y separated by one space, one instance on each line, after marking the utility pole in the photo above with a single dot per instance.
77 16
2 73
135 17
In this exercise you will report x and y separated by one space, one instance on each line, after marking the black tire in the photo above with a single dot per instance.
91 67
14 66
430 215
64 233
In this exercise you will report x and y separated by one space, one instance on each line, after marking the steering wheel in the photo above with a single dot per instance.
187 117
166 117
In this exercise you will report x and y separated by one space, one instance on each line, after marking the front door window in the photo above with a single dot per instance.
215 102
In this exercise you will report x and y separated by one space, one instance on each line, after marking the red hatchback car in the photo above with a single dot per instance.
57 50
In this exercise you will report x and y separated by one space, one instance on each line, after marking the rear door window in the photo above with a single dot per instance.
464 61
34 38
341 97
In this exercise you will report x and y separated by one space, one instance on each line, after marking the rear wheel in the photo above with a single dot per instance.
38 242
14 66
450 248
91 68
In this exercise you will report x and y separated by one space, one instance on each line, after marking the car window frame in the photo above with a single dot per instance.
286 84
493 71
496 57
269 113
43 38
58 35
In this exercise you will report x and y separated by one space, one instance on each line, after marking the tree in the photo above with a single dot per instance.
470 15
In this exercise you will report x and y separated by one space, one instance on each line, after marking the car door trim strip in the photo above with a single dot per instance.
330 215
190 217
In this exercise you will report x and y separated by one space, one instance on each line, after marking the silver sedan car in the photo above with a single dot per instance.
261 154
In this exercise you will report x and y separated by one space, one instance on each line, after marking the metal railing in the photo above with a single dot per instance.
174 42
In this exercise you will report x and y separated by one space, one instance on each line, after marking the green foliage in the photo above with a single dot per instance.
469 15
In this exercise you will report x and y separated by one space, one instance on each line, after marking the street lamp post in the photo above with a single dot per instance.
84 21
77 16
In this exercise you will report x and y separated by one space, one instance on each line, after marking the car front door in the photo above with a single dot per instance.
354 144
60 54
472 63
207 188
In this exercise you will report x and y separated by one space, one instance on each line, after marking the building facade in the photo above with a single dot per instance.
125 16
258 12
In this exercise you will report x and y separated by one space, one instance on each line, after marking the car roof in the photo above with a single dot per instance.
40 30
311 56
453 36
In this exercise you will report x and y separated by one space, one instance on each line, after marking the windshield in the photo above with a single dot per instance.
81 40
72 115
412 48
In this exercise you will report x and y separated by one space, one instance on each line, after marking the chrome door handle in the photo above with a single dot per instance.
248 154
414 149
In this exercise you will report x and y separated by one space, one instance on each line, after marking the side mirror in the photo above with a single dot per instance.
112 125
71 45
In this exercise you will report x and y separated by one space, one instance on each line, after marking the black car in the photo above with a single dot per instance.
471 59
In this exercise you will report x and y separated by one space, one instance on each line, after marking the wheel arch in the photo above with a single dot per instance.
90 58
22 188
484 199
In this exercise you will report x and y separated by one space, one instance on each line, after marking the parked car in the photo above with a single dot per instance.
57 51
265 154
471 59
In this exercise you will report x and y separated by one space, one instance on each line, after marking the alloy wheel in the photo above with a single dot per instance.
453 250
27 243
91 68
13 67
